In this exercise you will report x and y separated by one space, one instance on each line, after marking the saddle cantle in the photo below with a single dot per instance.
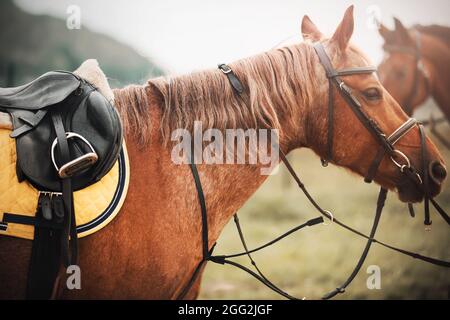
68 136
48 89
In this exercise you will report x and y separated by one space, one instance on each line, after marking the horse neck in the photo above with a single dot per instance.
437 58
227 187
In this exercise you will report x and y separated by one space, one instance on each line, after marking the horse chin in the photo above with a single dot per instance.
409 192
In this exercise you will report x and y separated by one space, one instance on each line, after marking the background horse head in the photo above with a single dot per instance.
416 65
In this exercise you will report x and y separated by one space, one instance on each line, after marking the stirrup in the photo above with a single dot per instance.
77 165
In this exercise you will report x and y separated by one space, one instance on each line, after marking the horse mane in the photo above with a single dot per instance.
274 83
132 104
440 32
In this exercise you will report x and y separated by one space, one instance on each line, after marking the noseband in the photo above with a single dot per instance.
419 69
386 148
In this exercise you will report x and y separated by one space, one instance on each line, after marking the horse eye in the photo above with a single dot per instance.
372 94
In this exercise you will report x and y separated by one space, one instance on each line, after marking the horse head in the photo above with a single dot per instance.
351 136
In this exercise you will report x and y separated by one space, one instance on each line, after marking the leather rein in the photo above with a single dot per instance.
387 147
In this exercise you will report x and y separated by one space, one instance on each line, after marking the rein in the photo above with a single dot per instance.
386 148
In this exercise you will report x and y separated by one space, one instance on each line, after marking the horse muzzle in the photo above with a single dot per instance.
413 191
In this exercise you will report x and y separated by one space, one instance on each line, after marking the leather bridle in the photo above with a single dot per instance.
387 147
386 143
418 70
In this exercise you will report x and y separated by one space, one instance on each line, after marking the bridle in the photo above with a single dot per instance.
386 143
387 147
418 70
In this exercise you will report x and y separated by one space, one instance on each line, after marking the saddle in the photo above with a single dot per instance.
68 136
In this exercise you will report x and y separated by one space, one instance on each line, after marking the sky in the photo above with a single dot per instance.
183 36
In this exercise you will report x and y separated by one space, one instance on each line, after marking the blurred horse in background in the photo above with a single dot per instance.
417 65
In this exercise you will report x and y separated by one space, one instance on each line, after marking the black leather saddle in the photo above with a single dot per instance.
91 123
68 136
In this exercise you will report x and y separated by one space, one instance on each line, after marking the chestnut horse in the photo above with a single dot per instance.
153 246
417 65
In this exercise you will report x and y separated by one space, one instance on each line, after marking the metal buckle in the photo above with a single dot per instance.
49 193
329 216
74 166
3 226
225 68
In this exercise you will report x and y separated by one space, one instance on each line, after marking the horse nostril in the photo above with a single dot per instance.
437 172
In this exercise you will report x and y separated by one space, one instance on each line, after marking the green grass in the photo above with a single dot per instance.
316 260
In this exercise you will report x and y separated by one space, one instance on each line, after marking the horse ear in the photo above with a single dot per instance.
402 33
344 31
384 32
309 30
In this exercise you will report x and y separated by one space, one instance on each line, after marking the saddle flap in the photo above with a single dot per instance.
49 89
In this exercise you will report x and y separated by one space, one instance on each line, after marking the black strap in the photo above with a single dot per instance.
223 259
69 239
202 201
326 214
380 204
206 253
194 276
45 258
375 164
234 80
30 123
27 220
412 213
425 177
55 235
308 223
441 211
330 133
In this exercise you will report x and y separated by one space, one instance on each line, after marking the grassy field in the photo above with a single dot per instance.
316 260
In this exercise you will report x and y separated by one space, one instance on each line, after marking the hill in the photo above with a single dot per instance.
35 44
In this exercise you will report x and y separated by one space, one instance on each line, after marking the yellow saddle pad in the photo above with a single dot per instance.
95 206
